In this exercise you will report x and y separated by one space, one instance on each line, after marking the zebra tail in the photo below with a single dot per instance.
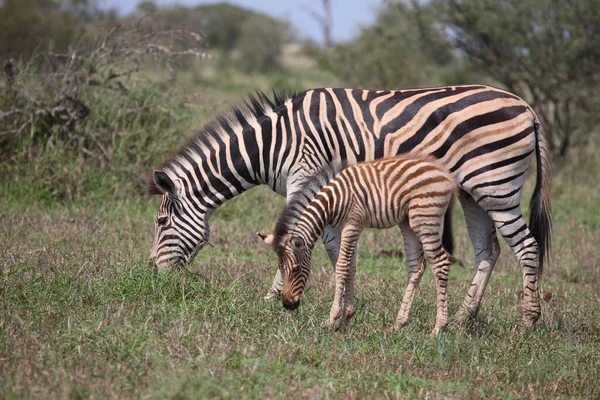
447 234
540 220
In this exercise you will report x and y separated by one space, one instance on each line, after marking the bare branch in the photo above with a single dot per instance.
324 20
49 106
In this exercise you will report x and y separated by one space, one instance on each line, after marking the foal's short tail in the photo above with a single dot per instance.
540 221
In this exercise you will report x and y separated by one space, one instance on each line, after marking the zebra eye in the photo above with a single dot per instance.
162 220
297 243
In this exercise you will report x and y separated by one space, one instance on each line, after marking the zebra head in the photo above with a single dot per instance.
294 256
181 230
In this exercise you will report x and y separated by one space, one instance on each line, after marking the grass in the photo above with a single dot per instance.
83 314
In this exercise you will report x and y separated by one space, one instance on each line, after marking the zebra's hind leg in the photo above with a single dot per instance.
515 231
415 261
487 250
440 263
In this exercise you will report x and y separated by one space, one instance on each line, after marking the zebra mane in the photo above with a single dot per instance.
298 202
256 105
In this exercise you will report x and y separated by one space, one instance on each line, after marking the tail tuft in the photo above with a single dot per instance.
540 221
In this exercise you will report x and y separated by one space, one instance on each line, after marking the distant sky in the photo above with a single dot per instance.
348 15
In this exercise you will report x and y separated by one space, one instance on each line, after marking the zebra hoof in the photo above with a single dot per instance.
436 331
329 324
463 315
271 296
401 324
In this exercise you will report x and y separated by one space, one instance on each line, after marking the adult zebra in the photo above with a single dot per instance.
486 137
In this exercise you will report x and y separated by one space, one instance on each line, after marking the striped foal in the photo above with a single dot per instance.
412 192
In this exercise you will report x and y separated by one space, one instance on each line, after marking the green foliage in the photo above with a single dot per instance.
260 44
46 24
223 24
30 26
402 49
546 51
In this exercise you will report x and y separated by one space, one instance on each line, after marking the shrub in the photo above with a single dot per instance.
70 119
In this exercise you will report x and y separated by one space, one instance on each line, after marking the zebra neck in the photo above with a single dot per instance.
314 218
255 153
270 145
227 166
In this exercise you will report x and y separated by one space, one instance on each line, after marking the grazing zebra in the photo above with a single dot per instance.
410 192
486 137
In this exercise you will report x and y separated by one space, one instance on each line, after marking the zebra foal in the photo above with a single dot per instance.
412 192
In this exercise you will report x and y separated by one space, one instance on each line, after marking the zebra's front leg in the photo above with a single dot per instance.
274 291
345 270
349 310
424 227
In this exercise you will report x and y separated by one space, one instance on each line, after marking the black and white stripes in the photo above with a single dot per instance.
486 137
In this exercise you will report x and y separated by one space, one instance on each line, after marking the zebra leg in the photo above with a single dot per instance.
274 291
515 232
344 274
331 241
415 261
349 310
428 233
487 250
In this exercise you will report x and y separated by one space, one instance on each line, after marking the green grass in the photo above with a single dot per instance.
83 315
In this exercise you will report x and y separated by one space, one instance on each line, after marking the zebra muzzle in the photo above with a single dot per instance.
290 304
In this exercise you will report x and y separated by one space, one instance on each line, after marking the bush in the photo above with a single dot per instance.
402 49
70 119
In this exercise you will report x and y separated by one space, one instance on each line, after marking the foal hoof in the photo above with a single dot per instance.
350 312
401 324
329 324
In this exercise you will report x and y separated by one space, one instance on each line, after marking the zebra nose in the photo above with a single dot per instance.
291 304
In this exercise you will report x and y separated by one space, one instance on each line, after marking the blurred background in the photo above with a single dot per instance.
94 92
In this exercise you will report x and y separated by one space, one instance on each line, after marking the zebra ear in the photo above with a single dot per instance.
163 183
268 239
